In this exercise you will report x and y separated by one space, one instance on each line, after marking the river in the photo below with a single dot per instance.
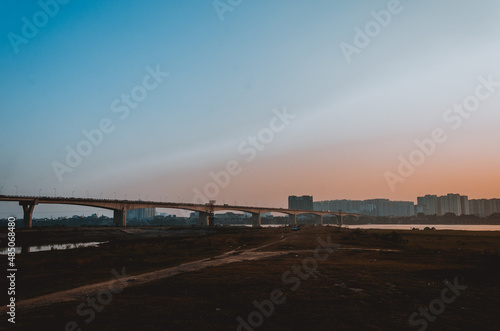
460 227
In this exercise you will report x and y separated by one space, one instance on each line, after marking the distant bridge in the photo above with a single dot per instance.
120 207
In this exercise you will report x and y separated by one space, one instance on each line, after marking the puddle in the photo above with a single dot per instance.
55 247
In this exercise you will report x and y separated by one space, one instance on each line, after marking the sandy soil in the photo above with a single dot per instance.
230 257
375 281
89 290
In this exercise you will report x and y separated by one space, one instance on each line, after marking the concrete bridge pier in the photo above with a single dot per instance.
340 218
256 220
206 219
321 220
28 207
292 220
120 217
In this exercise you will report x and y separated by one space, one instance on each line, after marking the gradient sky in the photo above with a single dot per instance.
352 120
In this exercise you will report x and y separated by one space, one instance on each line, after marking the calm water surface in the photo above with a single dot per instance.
42 248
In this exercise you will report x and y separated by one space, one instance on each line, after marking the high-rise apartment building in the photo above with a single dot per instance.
304 202
464 205
495 205
141 213
428 204
450 203
484 207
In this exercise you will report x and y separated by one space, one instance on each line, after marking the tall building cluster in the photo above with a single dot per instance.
428 205
484 207
457 204
372 207
450 203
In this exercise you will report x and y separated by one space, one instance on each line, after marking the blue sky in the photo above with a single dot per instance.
225 78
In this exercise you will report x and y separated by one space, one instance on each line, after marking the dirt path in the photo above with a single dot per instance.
123 280
81 292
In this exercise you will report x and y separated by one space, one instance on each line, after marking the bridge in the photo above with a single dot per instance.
120 207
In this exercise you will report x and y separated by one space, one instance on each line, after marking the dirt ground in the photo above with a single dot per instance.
313 279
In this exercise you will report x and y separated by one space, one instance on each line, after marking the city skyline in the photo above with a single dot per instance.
440 205
429 204
377 99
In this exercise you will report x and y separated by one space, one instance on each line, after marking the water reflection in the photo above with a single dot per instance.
41 248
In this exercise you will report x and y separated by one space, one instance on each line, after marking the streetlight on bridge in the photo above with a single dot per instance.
16 189
55 193
40 192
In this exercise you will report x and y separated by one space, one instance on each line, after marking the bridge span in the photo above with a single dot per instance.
120 207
